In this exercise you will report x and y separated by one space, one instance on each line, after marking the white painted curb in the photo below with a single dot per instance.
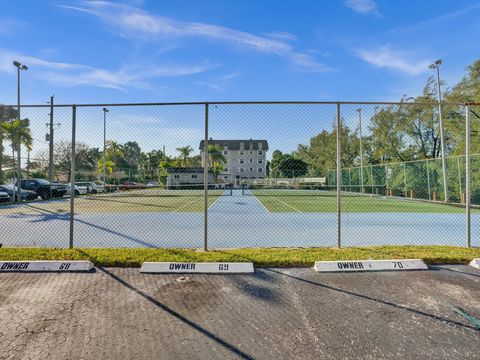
369 265
32 266
475 263
200 268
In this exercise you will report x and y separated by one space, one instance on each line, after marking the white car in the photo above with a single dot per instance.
79 189
93 187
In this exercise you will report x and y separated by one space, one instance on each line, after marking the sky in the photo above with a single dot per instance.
229 50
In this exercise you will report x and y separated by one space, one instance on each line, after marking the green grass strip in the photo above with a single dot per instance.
261 257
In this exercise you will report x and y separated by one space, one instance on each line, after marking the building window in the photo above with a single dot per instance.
176 176
242 170
260 161
251 169
225 177
242 161
226 170
260 152
225 152
251 146
251 152
194 176
251 160
242 152
260 169
260 146
242 146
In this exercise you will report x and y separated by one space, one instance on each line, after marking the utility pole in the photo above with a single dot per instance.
50 153
19 140
436 65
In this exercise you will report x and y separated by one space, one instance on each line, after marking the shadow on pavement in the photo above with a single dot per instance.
178 316
384 302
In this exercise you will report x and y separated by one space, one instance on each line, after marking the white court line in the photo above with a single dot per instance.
181 207
290 206
260 203
218 198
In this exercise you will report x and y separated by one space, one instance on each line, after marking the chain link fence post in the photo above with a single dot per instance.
72 175
205 183
467 175
339 180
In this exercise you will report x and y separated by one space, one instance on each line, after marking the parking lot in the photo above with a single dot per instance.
275 313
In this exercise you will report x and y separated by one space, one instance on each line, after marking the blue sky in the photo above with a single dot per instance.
155 51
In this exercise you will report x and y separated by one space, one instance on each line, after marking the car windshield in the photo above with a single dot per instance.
43 182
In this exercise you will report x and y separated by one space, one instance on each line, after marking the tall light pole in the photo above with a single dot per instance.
105 110
361 149
19 175
436 65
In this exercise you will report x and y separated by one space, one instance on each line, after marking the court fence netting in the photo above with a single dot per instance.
216 175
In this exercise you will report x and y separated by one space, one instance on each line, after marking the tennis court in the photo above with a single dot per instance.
303 199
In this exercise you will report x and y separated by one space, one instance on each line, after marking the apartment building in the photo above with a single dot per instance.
245 159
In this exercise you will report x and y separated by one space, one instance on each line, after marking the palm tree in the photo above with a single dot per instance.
216 160
185 152
18 132
7 113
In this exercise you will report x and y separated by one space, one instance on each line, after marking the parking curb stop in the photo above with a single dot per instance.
370 265
199 267
475 263
46 266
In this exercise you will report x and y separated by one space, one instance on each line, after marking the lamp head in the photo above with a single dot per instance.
17 64
105 110
435 64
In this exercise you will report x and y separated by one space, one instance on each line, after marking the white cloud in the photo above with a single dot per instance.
385 57
134 22
366 7
69 75
8 25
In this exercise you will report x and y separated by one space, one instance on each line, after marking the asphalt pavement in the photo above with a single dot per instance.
117 313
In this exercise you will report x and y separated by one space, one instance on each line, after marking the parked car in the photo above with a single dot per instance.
43 188
4 197
152 184
25 195
93 187
130 185
78 189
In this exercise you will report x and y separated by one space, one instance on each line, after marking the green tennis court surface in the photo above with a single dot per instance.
135 201
290 200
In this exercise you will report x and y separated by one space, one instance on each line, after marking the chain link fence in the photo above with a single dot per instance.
228 175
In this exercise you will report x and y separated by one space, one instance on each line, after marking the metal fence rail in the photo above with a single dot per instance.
196 175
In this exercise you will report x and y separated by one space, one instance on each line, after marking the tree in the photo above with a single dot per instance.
86 158
131 154
216 160
290 167
7 113
185 152
18 132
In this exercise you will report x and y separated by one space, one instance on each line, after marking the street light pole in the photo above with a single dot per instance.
19 169
361 149
436 65
105 110
50 145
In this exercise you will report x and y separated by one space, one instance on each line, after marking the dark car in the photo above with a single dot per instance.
43 188
130 185
4 197
26 195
